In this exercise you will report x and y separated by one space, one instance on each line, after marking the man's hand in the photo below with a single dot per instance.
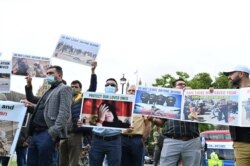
130 129
79 122
27 103
29 80
93 64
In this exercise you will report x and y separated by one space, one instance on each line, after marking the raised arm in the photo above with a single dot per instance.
93 80
28 91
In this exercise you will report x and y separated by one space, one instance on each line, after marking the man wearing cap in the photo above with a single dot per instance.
239 78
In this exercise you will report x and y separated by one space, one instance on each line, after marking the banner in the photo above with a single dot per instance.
11 120
107 110
220 106
76 50
5 71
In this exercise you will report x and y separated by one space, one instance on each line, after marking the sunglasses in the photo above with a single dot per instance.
131 90
110 84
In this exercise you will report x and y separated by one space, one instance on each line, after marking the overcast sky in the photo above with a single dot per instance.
156 37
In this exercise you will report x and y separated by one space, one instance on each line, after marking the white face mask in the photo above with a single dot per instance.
109 89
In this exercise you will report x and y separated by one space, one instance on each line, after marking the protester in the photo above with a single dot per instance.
157 146
214 159
106 141
49 119
70 148
182 139
239 78
133 138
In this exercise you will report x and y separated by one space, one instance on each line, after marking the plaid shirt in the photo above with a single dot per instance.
178 129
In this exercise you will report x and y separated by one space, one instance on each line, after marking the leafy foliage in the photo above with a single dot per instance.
221 82
201 81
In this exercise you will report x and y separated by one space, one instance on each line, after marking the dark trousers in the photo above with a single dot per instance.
21 153
132 151
109 148
5 160
41 149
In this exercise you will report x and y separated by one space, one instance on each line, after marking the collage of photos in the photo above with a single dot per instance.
5 70
107 110
75 50
245 106
11 120
158 102
24 65
219 107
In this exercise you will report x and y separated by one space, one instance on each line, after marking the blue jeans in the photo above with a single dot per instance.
21 153
100 148
132 151
41 150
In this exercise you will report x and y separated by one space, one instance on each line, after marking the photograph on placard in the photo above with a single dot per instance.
11 118
24 65
158 102
107 110
5 71
76 50
244 106
217 107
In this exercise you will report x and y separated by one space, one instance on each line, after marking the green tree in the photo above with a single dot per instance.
201 81
164 81
221 82
167 79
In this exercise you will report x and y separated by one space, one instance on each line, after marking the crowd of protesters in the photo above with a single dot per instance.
55 133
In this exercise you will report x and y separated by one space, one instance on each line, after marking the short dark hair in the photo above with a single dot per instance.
174 82
112 79
77 82
58 69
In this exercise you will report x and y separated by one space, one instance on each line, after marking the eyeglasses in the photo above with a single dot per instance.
181 84
110 84
131 90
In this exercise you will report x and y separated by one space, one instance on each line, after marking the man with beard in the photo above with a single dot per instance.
239 78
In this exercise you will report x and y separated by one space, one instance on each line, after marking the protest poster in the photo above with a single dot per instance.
158 102
11 120
76 50
107 110
23 65
244 106
217 107
5 70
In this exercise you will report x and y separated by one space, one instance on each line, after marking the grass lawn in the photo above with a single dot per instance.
13 163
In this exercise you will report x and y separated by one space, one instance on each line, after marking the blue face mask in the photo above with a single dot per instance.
109 89
50 79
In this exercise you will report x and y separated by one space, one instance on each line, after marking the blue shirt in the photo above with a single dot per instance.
106 132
